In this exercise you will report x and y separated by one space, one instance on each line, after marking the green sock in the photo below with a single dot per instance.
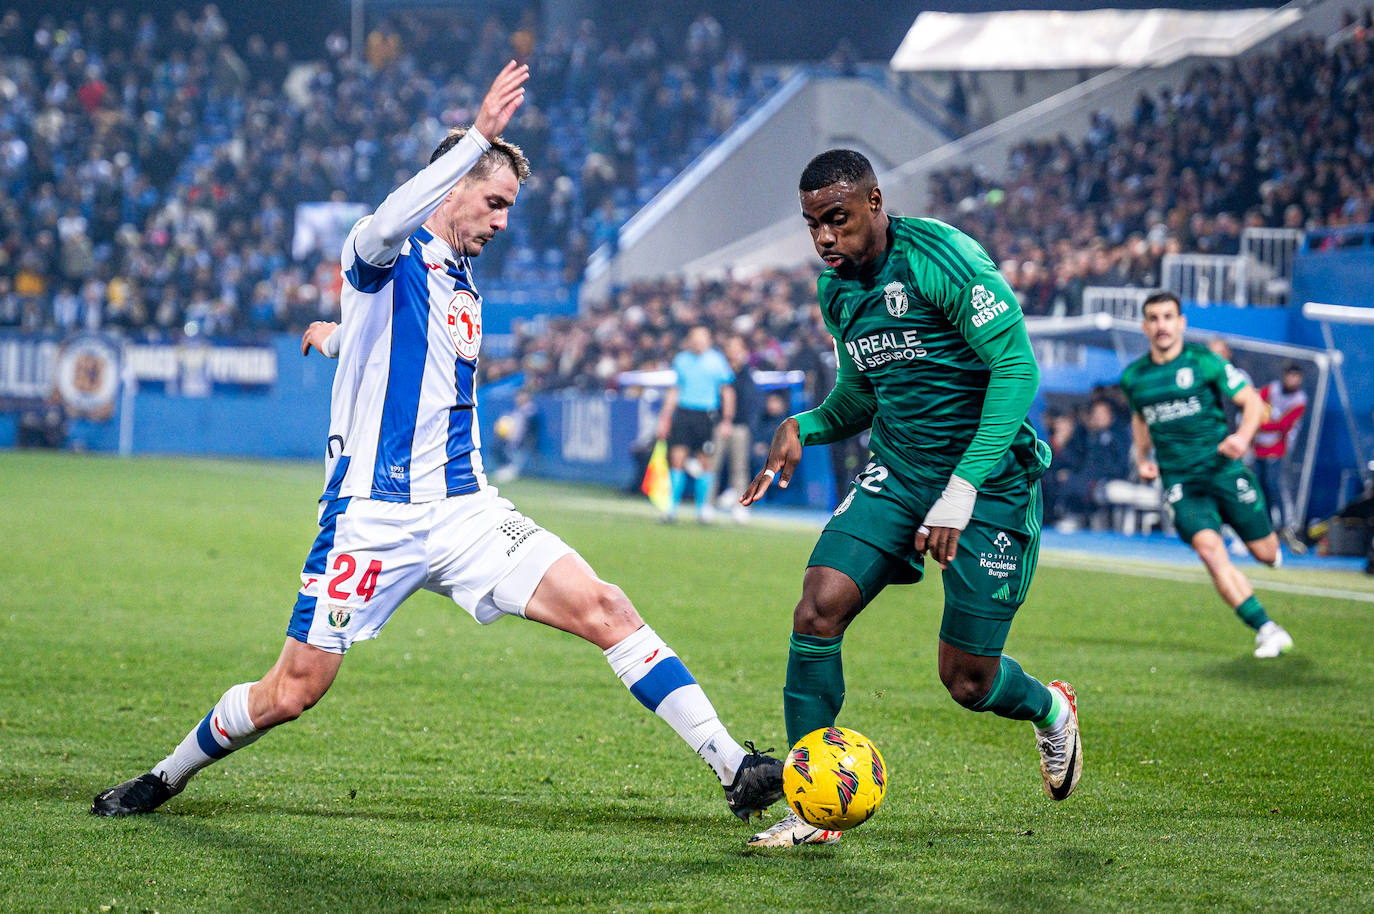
814 692
1251 613
1016 695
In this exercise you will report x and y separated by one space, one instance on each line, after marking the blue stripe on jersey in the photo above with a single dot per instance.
458 474
666 677
317 564
208 744
401 406
366 277
331 491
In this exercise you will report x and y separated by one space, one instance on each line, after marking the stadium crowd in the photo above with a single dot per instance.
1282 139
149 173
150 170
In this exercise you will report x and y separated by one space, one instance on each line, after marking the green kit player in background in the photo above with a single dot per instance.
1178 394
933 355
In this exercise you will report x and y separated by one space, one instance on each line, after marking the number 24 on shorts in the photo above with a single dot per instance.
346 565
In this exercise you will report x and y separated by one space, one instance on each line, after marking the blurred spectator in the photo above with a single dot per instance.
734 444
517 434
1275 462
1095 453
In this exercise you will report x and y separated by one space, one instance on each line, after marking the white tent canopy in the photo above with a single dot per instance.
1063 40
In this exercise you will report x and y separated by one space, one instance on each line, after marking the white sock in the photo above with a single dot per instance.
654 675
227 727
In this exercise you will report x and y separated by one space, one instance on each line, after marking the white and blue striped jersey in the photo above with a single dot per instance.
403 412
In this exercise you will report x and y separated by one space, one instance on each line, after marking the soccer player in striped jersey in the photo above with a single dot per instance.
406 505
933 357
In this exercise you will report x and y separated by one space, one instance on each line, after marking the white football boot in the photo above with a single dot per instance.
1271 640
791 831
1061 752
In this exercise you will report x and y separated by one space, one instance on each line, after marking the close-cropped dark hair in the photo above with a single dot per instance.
500 153
836 165
1162 295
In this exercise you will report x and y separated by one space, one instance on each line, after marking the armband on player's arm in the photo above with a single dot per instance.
406 208
846 410
1011 391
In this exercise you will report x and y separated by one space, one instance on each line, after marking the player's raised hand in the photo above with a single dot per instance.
783 455
315 335
503 98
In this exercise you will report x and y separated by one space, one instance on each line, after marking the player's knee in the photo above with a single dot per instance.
814 617
967 687
609 606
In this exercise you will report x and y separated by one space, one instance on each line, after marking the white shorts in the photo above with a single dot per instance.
370 555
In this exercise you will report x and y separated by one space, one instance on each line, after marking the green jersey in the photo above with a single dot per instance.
1183 402
932 352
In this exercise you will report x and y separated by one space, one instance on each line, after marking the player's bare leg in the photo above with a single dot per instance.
299 679
1270 638
571 598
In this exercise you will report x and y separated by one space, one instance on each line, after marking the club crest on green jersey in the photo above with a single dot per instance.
1184 377
895 296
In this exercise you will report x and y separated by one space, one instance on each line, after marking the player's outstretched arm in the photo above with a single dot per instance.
324 336
378 241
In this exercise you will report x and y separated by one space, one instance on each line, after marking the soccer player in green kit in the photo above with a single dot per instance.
933 356
1177 393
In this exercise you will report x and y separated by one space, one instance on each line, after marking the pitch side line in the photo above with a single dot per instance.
1051 558
1168 572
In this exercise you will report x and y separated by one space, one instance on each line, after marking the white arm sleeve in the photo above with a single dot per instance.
405 209
330 347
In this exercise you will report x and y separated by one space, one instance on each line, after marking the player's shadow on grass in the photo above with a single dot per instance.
282 875
1279 673
1041 887
535 814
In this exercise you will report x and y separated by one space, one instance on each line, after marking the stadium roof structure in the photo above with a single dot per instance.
1104 38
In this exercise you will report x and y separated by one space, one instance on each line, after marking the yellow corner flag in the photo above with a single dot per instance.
657 484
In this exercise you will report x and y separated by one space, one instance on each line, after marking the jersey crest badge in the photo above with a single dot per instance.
895 297
463 319
1184 377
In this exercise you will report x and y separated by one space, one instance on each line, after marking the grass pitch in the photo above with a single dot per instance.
454 767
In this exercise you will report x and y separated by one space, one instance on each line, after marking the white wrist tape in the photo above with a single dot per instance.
330 347
954 507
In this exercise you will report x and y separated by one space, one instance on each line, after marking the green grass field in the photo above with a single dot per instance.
454 767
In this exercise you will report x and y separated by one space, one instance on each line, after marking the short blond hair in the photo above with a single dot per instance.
500 153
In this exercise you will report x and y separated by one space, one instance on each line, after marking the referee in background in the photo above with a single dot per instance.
700 404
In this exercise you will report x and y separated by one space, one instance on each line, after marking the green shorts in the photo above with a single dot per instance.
871 538
1231 495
